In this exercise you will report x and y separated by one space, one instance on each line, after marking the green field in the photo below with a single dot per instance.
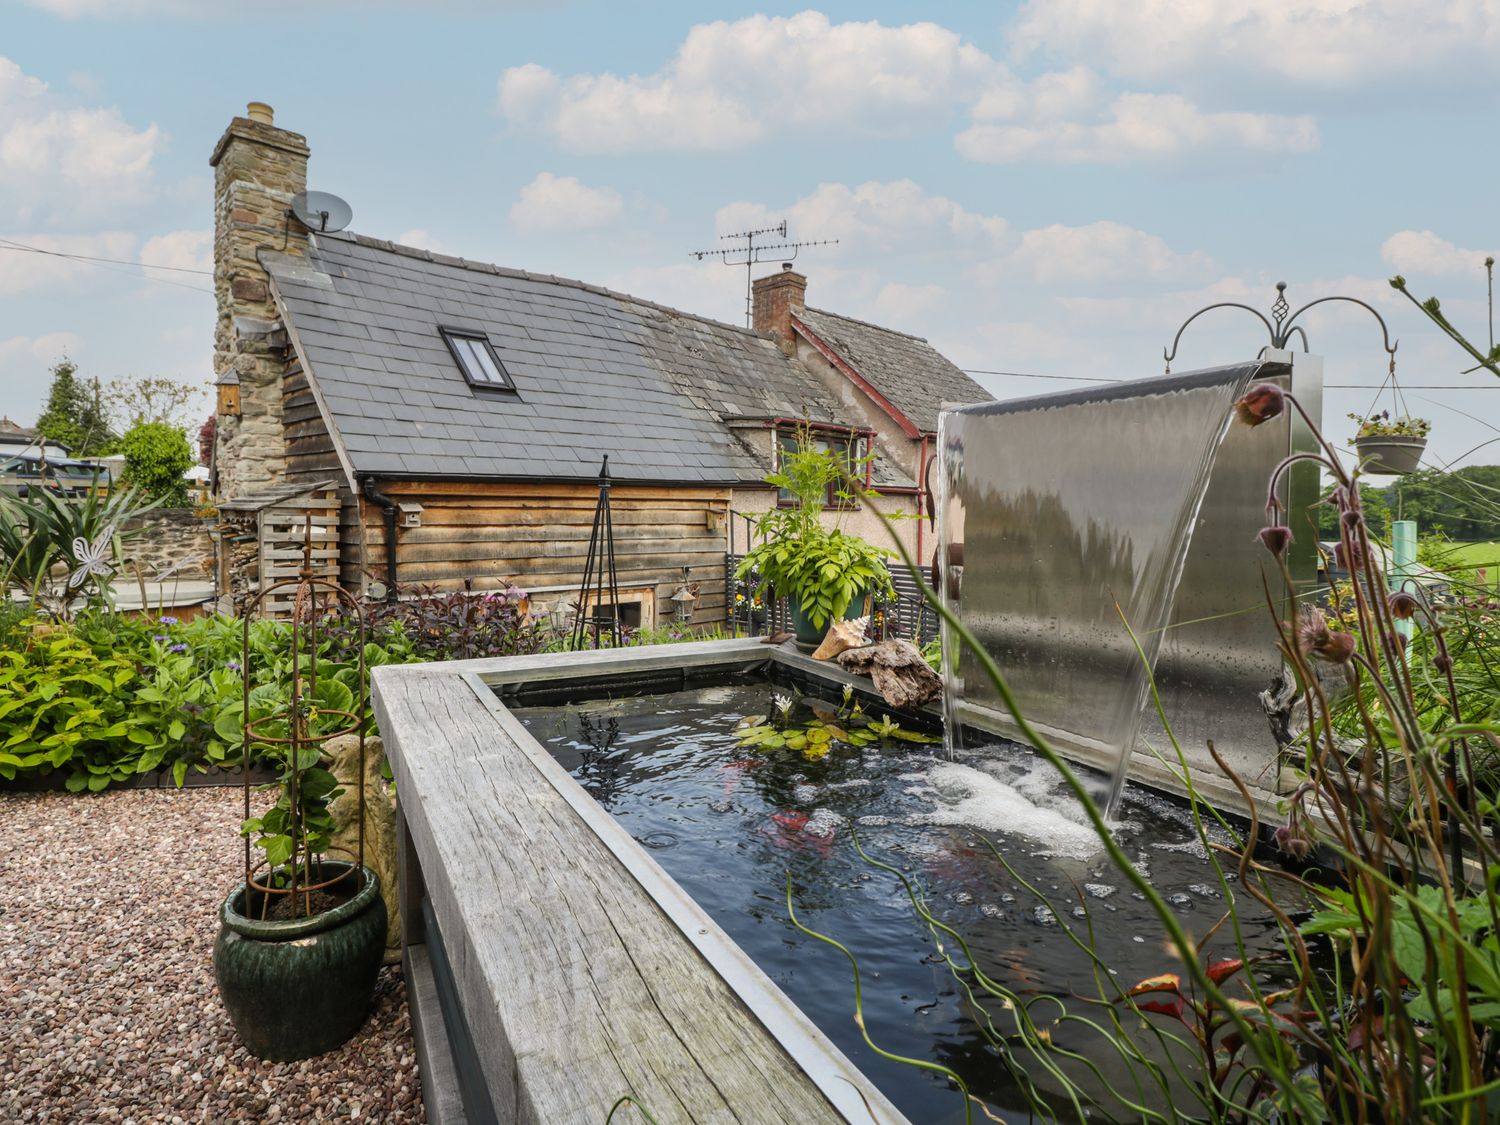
1462 557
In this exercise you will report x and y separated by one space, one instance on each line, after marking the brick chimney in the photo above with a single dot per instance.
257 169
774 298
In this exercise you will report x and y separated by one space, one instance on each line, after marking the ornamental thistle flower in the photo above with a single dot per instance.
1403 606
1261 403
1276 539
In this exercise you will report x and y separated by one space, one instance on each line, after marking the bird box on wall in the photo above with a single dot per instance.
229 393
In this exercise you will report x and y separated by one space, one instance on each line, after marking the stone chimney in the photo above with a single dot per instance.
774 299
257 169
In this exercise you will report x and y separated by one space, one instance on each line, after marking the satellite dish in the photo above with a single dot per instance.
321 211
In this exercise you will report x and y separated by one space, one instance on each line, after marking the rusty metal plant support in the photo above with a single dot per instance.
599 572
313 600
1285 326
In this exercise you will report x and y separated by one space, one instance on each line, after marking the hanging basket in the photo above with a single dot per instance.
1390 454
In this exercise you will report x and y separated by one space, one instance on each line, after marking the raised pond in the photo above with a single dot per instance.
732 822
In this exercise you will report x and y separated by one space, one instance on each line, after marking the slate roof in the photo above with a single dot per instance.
596 372
908 371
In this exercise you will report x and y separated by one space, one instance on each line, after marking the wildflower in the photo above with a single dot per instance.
1276 539
1261 403
169 620
1403 606
161 638
1292 840
1351 519
782 703
177 648
233 666
1315 638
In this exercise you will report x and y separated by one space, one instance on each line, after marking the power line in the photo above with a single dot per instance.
1326 386
1033 375
89 259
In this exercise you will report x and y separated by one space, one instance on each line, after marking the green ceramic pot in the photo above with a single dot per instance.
810 634
298 988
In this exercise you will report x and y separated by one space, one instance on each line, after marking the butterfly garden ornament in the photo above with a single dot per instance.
91 559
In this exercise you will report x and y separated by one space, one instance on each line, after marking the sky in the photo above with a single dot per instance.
1049 188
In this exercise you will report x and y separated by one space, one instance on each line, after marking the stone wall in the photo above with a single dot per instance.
257 169
173 538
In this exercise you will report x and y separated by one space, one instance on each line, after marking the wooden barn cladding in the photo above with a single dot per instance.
537 536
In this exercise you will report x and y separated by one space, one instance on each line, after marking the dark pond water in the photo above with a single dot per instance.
730 824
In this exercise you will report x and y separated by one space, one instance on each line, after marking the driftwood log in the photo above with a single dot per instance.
901 675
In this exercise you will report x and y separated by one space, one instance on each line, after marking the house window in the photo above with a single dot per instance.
477 359
849 447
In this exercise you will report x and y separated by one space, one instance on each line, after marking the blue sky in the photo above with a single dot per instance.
1047 188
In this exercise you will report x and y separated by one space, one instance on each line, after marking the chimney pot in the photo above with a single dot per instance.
786 266
260 111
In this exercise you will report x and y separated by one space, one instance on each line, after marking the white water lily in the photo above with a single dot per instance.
783 703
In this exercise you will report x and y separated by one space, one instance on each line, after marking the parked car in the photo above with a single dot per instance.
29 470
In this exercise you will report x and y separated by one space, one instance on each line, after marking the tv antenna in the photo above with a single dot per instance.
750 254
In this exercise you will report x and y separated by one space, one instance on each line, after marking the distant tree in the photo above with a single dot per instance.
1462 505
206 434
74 415
1377 514
149 398
61 419
156 456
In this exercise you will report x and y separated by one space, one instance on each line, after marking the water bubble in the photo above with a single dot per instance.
720 806
1098 890
1007 897
1138 896
874 821
990 910
1203 890
1080 912
1139 940
1044 916
1179 900
963 898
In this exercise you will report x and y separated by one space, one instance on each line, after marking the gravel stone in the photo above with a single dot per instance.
108 913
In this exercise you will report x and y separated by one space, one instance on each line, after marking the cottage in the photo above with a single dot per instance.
461 410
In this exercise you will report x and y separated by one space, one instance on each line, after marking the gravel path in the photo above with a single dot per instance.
108 1008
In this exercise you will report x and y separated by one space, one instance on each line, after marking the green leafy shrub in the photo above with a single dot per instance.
156 456
822 568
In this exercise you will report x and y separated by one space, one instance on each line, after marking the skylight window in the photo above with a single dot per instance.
477 359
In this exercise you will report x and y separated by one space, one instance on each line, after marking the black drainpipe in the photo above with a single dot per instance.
388 506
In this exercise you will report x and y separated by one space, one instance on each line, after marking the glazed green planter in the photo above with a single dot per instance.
298 988
810 634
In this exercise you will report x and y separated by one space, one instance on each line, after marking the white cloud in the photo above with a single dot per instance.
1134 126
902 306
26 270
732 83
422 239
1102 251
876 216
24 361
179 250
64 159
563 203
1310 43
1422 251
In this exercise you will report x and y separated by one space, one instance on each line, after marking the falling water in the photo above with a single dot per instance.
1059 514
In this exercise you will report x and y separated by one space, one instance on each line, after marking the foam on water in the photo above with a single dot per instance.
968 796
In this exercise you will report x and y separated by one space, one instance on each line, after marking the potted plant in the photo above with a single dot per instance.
824 572
1390 446
302 938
